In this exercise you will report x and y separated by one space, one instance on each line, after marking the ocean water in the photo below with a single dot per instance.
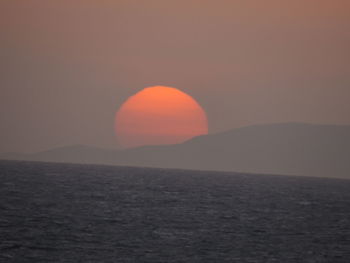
87 213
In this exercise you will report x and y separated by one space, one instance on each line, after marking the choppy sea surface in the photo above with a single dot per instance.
86 213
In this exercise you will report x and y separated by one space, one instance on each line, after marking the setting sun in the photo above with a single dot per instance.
159 115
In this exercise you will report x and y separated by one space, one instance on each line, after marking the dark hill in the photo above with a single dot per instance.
291 149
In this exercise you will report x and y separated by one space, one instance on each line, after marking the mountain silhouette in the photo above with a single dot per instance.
290 149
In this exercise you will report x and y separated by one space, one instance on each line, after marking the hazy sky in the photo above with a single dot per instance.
66 66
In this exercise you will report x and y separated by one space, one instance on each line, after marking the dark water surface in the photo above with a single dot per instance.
86 213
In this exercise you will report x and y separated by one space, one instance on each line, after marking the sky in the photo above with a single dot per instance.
67 66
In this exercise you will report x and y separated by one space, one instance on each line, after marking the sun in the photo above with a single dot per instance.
159 115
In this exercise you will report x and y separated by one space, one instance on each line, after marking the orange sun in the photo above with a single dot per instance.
159 115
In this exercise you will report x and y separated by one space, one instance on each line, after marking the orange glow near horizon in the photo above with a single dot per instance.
159 115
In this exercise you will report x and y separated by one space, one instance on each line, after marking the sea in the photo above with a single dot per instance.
52 212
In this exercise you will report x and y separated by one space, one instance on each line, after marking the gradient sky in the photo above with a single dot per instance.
66 66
